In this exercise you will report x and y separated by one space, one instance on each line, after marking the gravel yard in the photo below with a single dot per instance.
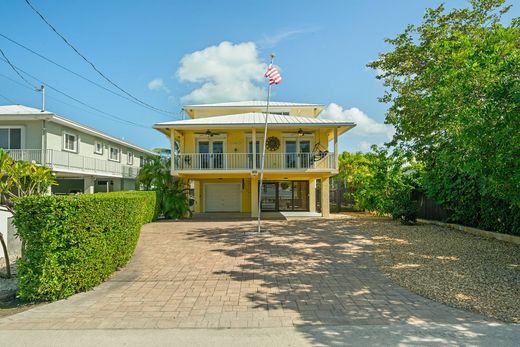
448 266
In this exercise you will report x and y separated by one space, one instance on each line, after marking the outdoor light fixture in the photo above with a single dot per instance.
300 133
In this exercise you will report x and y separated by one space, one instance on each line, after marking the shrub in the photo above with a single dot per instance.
74 243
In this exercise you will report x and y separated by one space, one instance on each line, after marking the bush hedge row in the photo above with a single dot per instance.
73 243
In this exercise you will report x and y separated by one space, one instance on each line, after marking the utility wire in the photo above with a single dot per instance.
57 99
76 74
92 64
76 99
13 67
8 100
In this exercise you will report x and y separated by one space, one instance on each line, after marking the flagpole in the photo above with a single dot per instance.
263 152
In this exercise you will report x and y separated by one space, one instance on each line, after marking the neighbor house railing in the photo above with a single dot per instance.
248 161
68 161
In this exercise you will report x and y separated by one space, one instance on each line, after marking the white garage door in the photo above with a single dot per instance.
222 197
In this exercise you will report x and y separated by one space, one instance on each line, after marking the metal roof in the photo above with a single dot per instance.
20 109
252 119
254 103
30 113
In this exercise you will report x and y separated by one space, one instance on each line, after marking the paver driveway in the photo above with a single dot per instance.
211 274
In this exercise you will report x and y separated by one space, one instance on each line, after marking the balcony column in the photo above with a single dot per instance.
312 195
325 202
172 140
336 154
253 145
254 196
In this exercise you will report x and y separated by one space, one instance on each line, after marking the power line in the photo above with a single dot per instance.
76 99
13 67
92 64
57 99
75 73
8 100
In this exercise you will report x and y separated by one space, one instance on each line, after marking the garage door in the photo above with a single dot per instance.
222 197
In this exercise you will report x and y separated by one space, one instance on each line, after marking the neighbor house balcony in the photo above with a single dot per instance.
208 162
61 161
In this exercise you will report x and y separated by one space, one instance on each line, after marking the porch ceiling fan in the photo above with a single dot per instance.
301 133
208 133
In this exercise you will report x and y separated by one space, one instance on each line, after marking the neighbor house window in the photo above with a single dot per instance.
70 142
98 147
114 154
130 158
11 138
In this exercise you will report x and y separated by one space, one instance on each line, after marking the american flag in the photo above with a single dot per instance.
273 75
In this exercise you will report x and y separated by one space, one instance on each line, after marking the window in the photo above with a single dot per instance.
141 161
98 147
130 158
70 142
11 138
114 154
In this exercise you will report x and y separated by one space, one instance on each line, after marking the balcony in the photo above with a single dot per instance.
323 161
61 161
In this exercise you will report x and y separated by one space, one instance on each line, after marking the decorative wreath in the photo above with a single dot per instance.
273 143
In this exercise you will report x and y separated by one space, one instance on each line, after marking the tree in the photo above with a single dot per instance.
172 192
453 85
19 179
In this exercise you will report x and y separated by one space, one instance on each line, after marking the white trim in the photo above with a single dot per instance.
96 142
118 160
76 142
239 184
64 121
22 134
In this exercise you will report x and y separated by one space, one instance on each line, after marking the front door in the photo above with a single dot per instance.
285 196
269 196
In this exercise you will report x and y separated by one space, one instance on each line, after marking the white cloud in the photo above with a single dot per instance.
269 41
226 72
158 84
365 126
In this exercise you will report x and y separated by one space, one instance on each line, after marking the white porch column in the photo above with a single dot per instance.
336 154
312 195
325 202
172 140
254 196
88 185
253 140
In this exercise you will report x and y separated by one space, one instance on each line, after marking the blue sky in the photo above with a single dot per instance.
169 53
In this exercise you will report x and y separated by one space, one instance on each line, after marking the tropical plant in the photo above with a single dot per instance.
453 86
172 192
19 179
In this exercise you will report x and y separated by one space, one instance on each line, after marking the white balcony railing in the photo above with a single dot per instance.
67 161
245 161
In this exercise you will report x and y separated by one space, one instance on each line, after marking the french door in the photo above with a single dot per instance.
211 154
297 154
285 196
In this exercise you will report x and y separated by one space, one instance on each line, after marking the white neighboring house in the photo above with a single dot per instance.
84 160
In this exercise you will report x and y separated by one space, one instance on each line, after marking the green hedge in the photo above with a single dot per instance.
73 243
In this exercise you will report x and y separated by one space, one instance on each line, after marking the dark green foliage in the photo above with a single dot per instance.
453 89
172 192
382 182
73 243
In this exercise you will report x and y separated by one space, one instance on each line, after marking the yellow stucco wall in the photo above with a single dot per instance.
220 111
236 140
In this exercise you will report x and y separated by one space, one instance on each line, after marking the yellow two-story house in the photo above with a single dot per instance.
218 151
